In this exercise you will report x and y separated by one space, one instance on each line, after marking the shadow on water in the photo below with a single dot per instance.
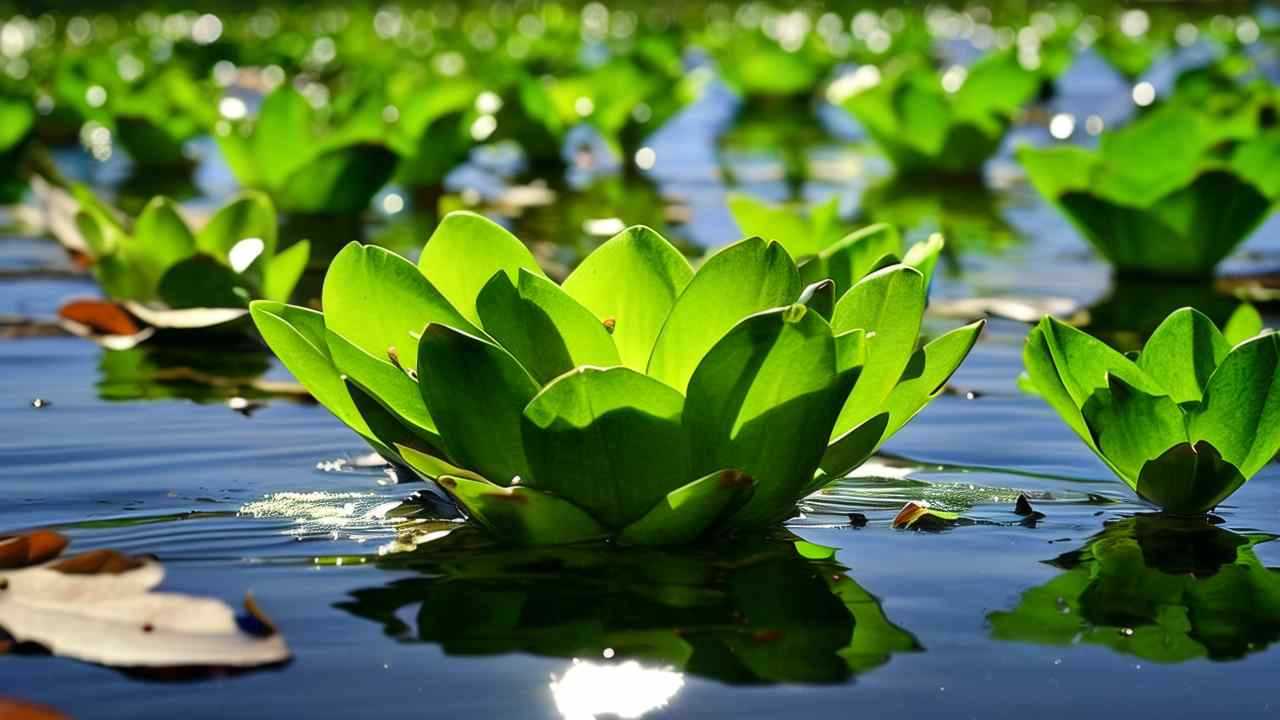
1161 588
759 611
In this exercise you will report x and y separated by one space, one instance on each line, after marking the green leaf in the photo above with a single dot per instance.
161 239
1084 362
739 280
1182 353
1055 171
927 374
848 451
544 328
924 256
202 282
853 257
790 228
1240 413
1046 379
388 430
1188 479
282 137
341 180
763 400
284 271
476 393
465 251
1131 427
433 467
379 301
1245 323
632 280
686 513
888 306
297 336
819 297
389 385
249 216
522 515
608 440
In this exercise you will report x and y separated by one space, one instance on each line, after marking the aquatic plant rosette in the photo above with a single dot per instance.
1185 424
1162 196
639 400
168 274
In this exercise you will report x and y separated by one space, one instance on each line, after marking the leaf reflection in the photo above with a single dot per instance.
1164 589
760 611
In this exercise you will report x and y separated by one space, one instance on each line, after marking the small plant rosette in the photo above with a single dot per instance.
1184 423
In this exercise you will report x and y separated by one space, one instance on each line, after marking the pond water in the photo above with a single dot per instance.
993 617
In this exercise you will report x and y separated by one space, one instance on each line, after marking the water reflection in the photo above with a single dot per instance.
1135 307
1163 589
967 214
760 611
168 371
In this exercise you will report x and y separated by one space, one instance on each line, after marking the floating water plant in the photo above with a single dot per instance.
1185 424
824 247
306 164
152 116
639 401
948 123
1161 196
168 274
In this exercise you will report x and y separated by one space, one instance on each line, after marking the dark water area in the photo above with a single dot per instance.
994 617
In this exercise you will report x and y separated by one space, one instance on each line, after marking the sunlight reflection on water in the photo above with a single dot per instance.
627 690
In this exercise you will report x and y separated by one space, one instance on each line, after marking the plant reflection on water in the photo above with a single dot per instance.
1162 588
758 611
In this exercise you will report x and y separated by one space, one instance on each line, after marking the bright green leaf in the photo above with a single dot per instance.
739 280
380 302
463 254
632 281
609 440
476 393
544 328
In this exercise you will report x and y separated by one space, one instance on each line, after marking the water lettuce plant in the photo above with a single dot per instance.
159 259
639 400
826 248
1162 196
1184 423
305 163
152 117
948 123
1163 589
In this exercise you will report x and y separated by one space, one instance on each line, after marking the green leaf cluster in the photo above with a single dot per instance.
639 400
1163 195
158 257
926 128
303 162
1184 423
152 116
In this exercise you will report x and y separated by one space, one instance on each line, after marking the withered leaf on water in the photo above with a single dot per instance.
102 607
